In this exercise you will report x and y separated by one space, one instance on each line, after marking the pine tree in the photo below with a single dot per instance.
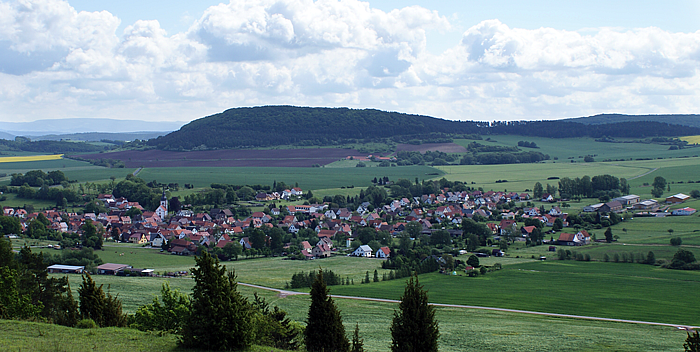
376 276
103 309
357 342
220 318
324 326
692 343
414 328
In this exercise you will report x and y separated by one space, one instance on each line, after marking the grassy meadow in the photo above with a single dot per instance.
576 148
307 178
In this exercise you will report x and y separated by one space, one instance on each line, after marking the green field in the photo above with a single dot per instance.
524 176
307 178
577 148
461 330
523 284
580 288
474 330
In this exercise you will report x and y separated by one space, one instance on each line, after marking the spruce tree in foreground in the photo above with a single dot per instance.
324 326
220 318
357 342
692 343
414 328
103 309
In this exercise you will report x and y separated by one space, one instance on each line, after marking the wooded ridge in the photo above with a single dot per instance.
268 126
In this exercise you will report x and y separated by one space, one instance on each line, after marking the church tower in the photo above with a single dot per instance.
164 201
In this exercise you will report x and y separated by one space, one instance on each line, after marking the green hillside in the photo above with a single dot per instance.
268 126
685 120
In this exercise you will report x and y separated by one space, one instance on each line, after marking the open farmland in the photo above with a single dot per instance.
14 159
441 147
577 148
307 178
228 158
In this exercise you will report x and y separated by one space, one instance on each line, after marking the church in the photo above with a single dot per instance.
162 210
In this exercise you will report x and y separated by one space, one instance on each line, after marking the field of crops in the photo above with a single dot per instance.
307 178
577 148
16 159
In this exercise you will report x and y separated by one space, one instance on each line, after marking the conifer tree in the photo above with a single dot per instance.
103 309
692 342
220 318
357 342
324 326
414 328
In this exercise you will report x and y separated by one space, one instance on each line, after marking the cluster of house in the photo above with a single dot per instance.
286 194
647 207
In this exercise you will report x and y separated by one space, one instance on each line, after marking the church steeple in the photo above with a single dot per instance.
164 201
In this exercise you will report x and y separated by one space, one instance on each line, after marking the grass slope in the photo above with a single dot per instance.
29 336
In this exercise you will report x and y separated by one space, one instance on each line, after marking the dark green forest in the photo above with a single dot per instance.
25 145
305 126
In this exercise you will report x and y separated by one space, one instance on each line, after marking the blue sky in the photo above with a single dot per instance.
464 60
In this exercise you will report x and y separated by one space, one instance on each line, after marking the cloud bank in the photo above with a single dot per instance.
57 62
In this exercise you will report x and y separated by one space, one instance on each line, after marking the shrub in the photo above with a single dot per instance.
676 241
86 324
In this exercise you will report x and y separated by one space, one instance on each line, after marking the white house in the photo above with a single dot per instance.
684 211
363 251
383 252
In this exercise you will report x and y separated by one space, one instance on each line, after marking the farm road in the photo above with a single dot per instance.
285 293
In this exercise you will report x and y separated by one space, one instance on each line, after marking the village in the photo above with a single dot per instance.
508 216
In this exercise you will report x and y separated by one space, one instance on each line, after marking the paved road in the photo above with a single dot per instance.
284 293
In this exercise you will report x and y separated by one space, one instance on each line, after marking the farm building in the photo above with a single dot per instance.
611 206
65 269
628 199
111 268
677 198
684 211
592 208
649 204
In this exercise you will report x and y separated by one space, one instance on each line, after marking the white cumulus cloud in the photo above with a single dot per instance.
57 62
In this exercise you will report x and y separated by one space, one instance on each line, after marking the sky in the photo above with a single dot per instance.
461 60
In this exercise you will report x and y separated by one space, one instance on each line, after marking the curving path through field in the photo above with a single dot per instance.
285 293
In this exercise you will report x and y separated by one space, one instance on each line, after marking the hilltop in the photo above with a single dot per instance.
268 126
684 120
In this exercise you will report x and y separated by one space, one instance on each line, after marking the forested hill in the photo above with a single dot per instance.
288 125
685 120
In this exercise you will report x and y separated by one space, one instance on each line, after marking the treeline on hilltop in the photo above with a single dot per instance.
26 145
305 126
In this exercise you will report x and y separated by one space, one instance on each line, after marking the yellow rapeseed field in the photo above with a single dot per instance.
15 159
691 139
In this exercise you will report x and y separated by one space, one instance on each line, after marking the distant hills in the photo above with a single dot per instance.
268 126
684 120
84 125
100 136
